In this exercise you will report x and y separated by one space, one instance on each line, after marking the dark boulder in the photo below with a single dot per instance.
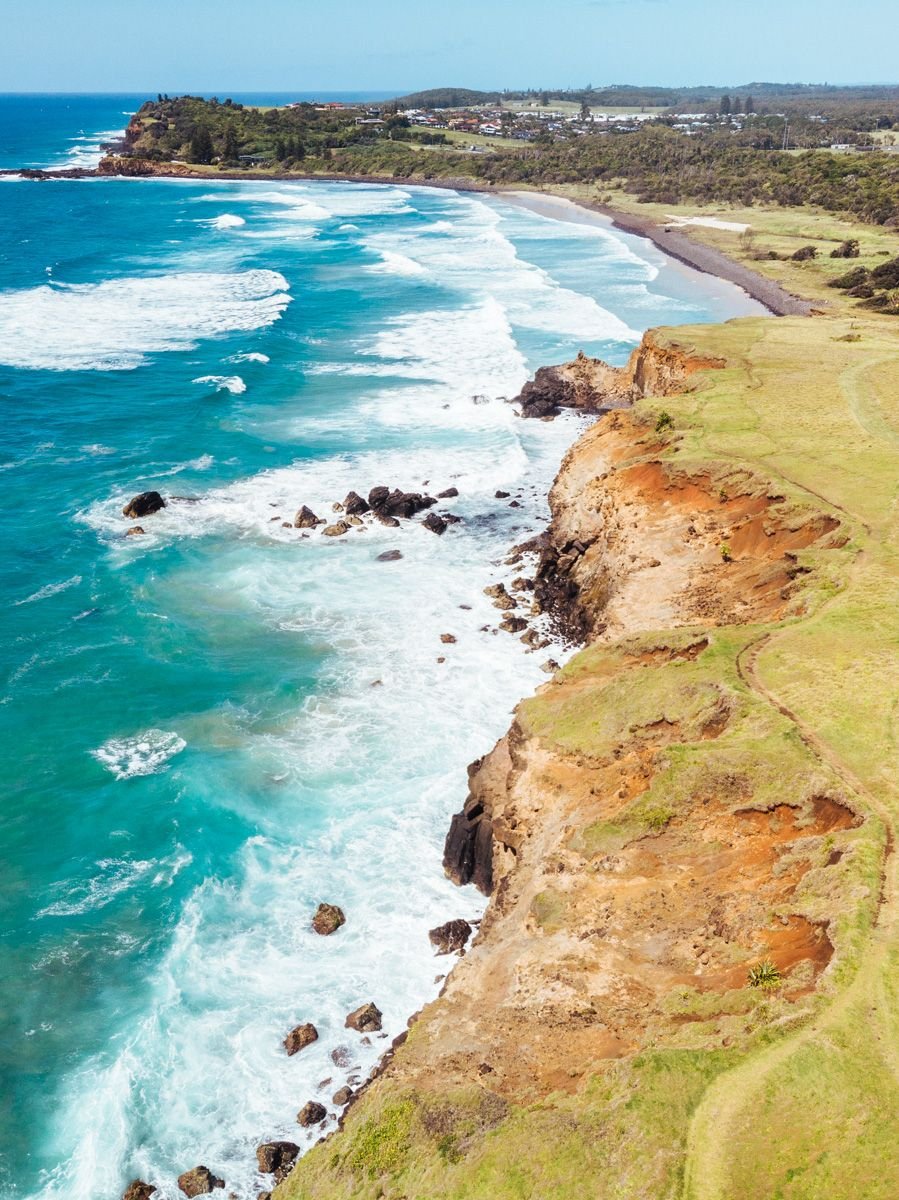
500 495
434 523
299 1038
272 1156
328 919
389 556
451 937
354 505
468 850
342 1096
513 624
312 1113
143 505
366 1019
199 1182
447 493
306 519
386 519
546 393
138 1190
406 504
377 497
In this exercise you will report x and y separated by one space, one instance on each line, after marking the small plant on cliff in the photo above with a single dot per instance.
665 421
656 817
764 975
726 555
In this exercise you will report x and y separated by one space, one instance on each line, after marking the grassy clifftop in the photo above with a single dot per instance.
696 794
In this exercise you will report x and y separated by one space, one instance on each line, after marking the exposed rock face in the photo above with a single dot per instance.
143 505
435 523
591 385
328 919
300 1037
138 1190
366 1019
199 1182
354 505
274 1156
306 519
468 853
451 937
312 1113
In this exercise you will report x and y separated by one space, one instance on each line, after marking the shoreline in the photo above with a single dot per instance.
679 246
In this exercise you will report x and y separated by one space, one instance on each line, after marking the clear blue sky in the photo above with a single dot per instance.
247 45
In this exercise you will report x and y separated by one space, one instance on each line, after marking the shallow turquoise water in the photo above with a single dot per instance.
195 750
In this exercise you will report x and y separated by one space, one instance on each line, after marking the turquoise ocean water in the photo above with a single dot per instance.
209 729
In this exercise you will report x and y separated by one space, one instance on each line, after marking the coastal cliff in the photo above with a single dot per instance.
679 870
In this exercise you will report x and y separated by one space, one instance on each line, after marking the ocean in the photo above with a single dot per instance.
211 728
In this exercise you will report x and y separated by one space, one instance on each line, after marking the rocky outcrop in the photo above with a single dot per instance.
312 1113
306 519
299 1038
354 505
328 919
451 937
138 1190
365 1019
199 1182
435 523
275 1156
143 505
591 385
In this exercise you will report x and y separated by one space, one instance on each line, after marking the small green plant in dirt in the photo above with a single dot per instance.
764 975
726 555
723 496
664 421
656 817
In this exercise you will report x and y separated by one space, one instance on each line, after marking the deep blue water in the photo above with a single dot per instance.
212 727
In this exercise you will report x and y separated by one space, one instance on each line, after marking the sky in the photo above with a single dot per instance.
403 45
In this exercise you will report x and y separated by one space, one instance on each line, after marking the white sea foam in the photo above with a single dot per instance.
393 263
142 754
109 877
224 383
249 356
51 589
117 324
227 221
86 149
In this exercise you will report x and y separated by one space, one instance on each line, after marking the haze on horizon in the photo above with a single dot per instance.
405 45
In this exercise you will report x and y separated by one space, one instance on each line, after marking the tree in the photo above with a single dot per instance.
749 106
585 111
724 106
230 148
201 148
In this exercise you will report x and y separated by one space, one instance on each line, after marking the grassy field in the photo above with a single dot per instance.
785 1109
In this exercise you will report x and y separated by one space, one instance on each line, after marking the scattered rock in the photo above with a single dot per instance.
550 666
451 518
336 506
377 497
389 555
366 1019
341 1056
312 1113
521 584
435 523
502 495
342 1096
514 504
264 1196
441 659
300 1037
306 519
387 520
534 639
138 1190
354 521
337 530
354 505
143 505
448 493
328 919
451 937
272 1156
448 639
199 1182
513 624
134 531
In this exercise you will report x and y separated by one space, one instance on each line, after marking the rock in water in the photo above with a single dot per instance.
299 1038
448 639
354 504
135 531
138 1190
328 919
199 1182
143 505
366 1019
451 937
342 1096
434 523
390 556
336 530
273 1156
312 1113
306 519
448 493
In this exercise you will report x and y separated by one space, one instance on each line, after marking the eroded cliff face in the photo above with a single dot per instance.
591 385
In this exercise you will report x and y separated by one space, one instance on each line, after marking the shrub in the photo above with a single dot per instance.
764 975
847 249
726 555
665 421
851 279
804 253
